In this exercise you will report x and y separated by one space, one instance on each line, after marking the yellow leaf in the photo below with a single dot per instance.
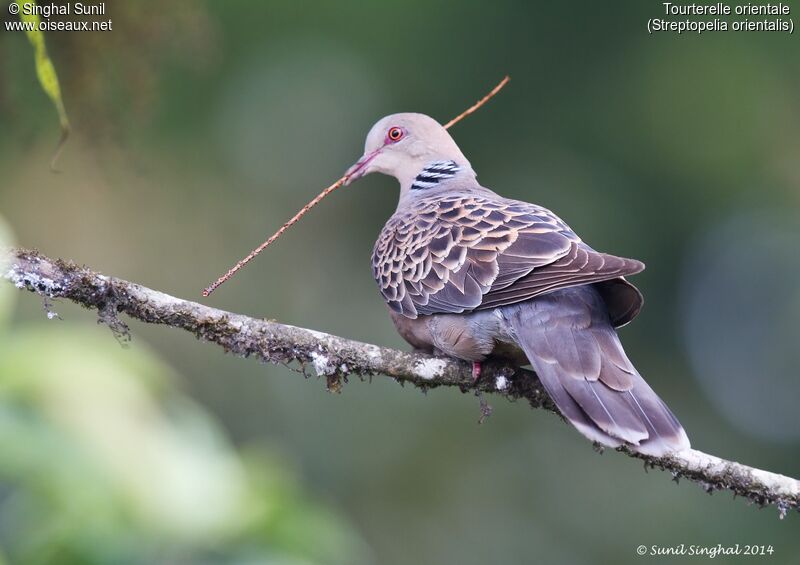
46 72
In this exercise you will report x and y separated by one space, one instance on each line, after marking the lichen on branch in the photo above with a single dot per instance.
335 358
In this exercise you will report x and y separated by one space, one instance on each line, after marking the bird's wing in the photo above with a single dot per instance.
462 252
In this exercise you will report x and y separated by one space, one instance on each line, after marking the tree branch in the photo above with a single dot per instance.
336 358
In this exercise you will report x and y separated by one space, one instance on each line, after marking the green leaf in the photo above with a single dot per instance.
46 73
7 291
103 459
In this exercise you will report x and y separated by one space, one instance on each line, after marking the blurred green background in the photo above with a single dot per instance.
199 127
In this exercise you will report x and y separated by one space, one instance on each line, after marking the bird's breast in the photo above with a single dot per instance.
472 336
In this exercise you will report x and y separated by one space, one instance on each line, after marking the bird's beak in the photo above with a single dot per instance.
361 167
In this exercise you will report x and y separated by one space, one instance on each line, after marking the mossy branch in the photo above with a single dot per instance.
336 358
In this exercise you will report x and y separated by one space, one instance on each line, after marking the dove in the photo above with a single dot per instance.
470 274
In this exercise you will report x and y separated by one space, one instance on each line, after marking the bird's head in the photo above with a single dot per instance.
403 145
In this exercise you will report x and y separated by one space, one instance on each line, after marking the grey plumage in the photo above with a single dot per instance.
474 275
568 338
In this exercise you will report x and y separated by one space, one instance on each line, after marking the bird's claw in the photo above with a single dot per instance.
476 371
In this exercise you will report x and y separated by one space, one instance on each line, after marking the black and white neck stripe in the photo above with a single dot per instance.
434 173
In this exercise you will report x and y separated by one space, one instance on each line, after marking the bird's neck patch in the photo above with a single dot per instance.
434 173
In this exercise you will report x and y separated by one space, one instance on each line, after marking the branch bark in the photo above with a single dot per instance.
336 358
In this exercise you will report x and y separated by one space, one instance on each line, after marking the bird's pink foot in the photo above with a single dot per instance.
476 371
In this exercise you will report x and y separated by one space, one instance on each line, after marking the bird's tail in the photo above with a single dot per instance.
571 344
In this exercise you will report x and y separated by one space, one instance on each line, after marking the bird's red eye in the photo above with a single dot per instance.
395 134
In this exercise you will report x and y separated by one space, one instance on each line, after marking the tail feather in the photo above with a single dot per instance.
573 347
572 411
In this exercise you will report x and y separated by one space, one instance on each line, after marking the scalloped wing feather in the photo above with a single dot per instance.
460 252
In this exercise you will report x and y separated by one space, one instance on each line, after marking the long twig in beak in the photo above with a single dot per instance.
478 104
211 288
232 271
